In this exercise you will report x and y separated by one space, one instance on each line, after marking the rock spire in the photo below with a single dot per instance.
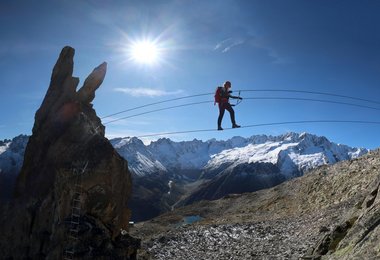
72 182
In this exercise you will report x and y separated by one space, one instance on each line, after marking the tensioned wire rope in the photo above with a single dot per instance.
248 98
264 124
256 98
246 90
155 103
312 92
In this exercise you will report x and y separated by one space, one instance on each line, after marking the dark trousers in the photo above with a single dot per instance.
226 106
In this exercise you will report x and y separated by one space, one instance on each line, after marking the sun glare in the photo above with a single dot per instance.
146 52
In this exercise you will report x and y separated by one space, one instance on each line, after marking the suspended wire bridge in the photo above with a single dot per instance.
348 101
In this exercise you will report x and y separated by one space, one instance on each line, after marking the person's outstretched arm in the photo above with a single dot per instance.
235 97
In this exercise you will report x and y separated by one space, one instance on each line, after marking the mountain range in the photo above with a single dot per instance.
167 173
292 153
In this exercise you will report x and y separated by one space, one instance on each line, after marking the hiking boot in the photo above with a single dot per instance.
235 126
220 128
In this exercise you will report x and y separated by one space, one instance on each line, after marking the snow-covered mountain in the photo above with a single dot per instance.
164 155
11 159
165 171
141 161
217 168
293 153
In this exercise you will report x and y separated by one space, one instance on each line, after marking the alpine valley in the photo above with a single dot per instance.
168 174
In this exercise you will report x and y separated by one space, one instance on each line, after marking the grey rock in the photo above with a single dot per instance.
71 194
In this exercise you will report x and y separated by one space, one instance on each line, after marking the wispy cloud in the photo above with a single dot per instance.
227 44
219 45
251 40
277 59
147 92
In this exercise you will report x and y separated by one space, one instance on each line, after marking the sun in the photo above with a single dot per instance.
145 52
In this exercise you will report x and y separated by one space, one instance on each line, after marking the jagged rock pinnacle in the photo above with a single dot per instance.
62 102
87 93
68 139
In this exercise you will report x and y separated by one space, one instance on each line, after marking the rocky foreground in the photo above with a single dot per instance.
330 213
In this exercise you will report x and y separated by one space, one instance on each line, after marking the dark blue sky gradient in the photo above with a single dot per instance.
328 46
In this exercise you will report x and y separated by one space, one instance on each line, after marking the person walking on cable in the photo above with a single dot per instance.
222 96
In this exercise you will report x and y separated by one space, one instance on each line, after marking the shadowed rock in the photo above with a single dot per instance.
71 179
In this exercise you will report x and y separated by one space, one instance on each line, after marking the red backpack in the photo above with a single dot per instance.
218 95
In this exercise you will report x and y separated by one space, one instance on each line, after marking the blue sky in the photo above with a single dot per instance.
325 46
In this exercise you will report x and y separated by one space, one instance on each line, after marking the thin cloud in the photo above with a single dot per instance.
147 92
220 44
227 44
234 44
272 53
250 40
277 59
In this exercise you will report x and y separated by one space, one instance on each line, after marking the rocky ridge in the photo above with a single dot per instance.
71 195
330 213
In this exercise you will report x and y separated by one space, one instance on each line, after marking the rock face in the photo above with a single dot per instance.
358 235
71 195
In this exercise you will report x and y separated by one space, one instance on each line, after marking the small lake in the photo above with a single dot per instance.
188 220
191 219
